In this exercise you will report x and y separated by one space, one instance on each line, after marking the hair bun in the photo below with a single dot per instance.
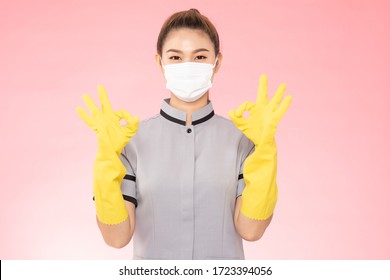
195 10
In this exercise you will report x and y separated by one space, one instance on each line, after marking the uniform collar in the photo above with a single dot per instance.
175 115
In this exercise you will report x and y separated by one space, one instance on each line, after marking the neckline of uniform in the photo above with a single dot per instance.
175 115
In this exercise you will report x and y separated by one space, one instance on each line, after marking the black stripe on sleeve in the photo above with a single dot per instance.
241 176
127 198
129 177
130 199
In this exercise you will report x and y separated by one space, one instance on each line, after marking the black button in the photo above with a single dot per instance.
189 130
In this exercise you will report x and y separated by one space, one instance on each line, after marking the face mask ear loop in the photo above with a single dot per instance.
215 63
162 64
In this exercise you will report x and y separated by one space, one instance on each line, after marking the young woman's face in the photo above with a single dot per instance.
188 45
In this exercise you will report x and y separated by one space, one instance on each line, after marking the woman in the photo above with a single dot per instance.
178 180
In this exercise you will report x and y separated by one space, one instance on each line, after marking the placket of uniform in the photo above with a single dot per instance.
187 194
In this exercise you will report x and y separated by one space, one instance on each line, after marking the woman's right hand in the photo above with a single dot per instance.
108 170
106 123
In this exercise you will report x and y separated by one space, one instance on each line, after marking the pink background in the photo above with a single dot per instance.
334 158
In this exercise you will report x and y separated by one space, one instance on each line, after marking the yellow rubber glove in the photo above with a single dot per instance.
260 193
108 170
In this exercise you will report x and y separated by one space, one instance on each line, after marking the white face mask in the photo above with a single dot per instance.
189 81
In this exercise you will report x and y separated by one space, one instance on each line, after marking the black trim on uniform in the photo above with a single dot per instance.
241 176
172 119
130 199
206 118
129 177
127 198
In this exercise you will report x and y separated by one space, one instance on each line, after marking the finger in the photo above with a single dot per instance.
131 122
246 106
106 105
277 98
262 95
283 108
237 115
85 117
238 121
90 104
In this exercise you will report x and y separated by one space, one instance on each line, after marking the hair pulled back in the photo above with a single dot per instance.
192 19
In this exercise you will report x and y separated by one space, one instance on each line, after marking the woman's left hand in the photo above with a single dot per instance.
264 116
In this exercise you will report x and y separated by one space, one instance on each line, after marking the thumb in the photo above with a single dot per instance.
131 122
237 115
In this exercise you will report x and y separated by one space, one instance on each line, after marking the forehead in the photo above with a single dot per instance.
186 39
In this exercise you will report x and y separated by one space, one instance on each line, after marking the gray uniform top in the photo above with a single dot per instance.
184 181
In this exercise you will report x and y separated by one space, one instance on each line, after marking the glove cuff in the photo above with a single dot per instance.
108 174
260 193
259 207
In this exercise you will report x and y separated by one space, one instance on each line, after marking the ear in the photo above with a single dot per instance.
157 59
218 65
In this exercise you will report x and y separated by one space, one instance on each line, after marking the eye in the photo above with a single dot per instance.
200 57
174 57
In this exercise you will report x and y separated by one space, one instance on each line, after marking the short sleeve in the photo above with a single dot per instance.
128 185
245 148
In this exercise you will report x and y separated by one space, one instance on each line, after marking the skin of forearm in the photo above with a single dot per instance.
119 235
249 229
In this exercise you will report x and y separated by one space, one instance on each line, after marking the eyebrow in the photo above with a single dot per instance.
195 51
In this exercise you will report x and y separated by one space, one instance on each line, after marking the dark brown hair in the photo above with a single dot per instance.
192 19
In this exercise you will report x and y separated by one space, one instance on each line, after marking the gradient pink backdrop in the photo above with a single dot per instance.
334 154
